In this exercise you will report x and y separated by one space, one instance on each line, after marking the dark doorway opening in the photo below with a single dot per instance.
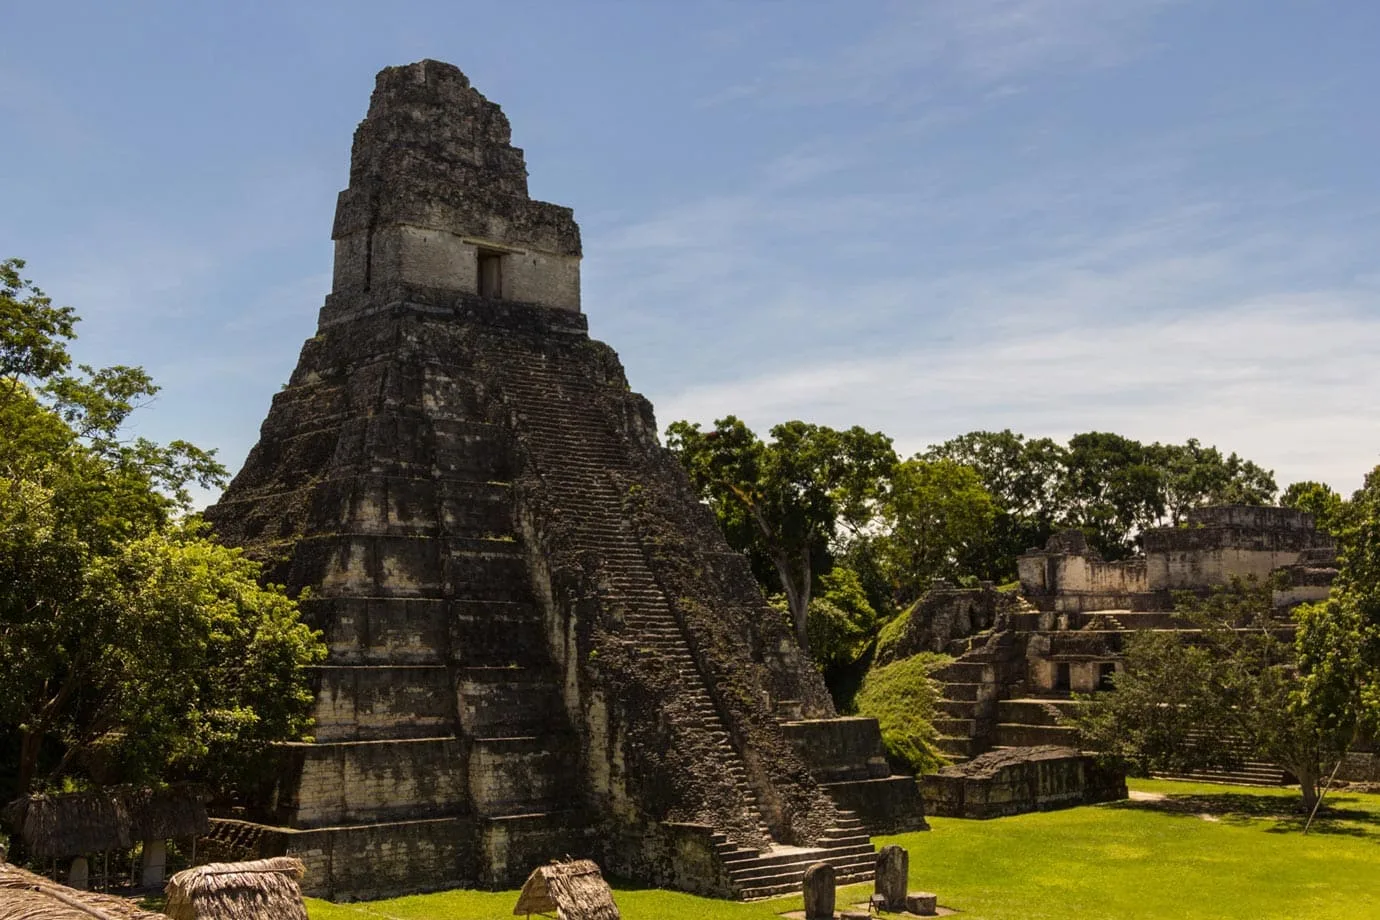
491 274
1062 678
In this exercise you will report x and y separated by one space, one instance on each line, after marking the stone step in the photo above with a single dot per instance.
966 672
1013 735
1035 711
960 692
954 746
1248 774
956 727
749 871
958 709
789 882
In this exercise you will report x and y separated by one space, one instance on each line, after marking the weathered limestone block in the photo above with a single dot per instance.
1018 780
79 874
924 903
819 892
893 876
846 756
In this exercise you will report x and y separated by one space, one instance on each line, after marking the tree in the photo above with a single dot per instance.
131 648
1111 490
935 512
1192 475
784 502
1319 500
841 621
1239 684
1022 475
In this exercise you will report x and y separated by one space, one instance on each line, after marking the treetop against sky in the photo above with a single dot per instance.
1148 217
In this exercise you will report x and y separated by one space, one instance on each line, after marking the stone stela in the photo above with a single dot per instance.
539 643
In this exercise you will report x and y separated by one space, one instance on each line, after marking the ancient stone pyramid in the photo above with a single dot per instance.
540 645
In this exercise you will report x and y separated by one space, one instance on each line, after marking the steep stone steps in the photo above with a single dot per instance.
1017 735
1251 773
574 451
779 870
1034 711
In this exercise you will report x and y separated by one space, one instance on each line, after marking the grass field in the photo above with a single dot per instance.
1202 852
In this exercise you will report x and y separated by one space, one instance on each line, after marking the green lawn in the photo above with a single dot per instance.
1202 852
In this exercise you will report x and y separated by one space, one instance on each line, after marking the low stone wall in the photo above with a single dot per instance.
891 805
839 749
1014 781
846 757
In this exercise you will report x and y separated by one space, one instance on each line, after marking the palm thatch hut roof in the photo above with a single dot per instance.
76 823
574 890
171 811
72 824
264 889
26 896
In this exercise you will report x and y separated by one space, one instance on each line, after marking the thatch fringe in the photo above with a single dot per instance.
73 824
77 823
575 890
257 890
173 811
26 896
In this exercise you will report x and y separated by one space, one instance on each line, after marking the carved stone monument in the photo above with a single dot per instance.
819 892
892 876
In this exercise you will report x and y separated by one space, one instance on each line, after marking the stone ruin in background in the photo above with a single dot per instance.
1021 654
540 644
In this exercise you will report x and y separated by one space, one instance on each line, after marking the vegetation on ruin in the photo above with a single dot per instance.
1241 687
132 648
902 697
812 497
1319 500
1181 849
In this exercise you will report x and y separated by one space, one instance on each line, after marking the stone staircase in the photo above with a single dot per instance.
1031 721
969 688
778 870
1246 772
577 455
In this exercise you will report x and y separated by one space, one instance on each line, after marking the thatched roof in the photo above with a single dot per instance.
76 823
56 826
25 896
173 811
264 889
575 890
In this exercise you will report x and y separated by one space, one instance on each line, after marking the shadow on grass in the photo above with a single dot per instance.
1339 814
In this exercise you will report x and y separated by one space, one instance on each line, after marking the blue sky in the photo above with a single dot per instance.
1151 217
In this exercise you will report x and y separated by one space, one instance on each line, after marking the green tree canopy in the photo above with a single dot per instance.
1319 500
934 513
131 648
784 502
1107 485
1242 684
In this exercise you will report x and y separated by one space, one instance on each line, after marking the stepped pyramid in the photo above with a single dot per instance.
540 644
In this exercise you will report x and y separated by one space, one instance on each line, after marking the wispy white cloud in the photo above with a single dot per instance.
989 46
1285 380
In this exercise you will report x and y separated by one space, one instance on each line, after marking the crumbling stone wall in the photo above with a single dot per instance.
1070 576
946 614
1219 543
1019 780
